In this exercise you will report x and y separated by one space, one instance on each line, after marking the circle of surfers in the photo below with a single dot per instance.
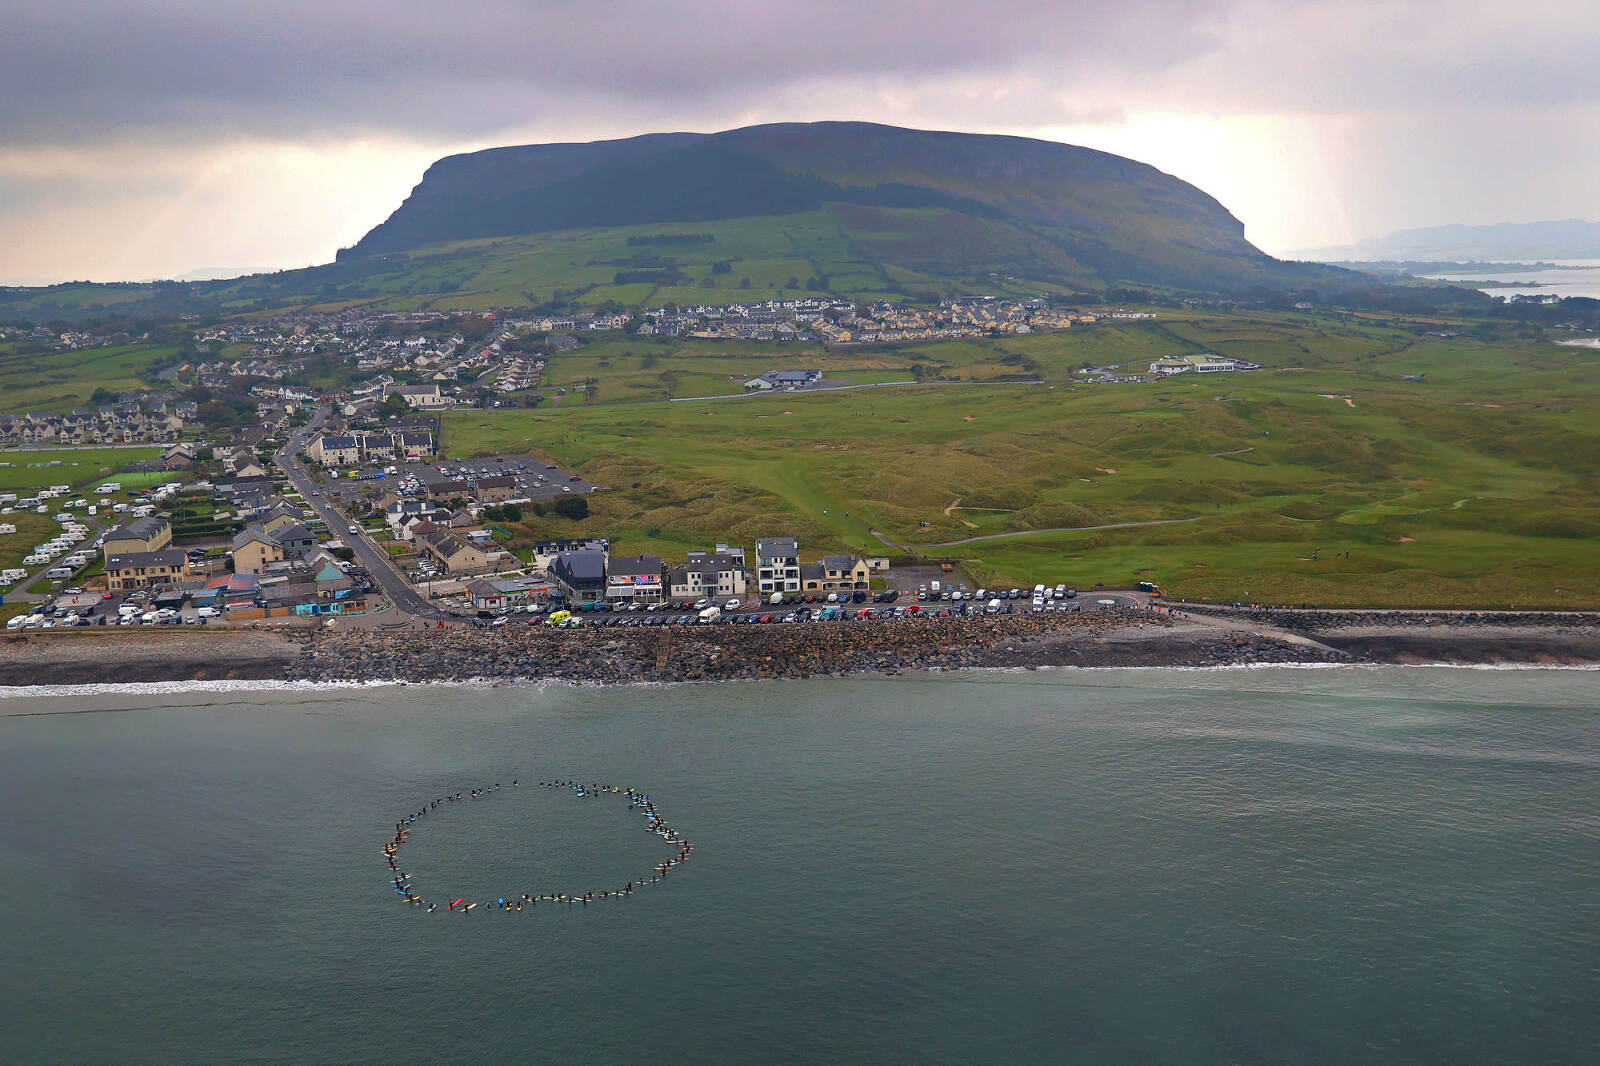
637 800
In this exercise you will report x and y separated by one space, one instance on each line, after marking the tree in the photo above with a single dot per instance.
573 507
744 283
103 396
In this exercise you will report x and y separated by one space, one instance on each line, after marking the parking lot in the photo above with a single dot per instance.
78 607
878 607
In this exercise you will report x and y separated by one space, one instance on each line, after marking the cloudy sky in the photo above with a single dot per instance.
143 138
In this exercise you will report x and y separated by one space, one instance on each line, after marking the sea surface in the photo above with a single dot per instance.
1379 865
1560 277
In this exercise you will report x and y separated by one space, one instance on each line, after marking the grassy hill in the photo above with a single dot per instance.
914 200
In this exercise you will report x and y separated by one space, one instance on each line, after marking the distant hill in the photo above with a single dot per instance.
934 207
1571 238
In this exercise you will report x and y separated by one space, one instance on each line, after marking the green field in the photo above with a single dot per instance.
638 369
1475 486
81 468
61 381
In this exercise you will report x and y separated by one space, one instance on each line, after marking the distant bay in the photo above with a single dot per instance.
1561 277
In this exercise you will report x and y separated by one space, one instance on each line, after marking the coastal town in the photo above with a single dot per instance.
366 524
263 377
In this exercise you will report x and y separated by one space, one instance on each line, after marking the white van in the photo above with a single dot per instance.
16 622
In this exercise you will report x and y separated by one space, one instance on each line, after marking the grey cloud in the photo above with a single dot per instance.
76 70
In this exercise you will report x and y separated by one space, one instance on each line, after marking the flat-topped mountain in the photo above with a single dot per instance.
913 206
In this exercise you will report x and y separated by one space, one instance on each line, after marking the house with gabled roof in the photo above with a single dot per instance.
254 549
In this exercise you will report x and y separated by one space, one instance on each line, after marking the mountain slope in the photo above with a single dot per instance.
1106 220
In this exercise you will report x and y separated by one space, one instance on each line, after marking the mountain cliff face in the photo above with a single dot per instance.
1035 208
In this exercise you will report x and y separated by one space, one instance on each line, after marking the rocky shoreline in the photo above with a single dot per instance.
1110 638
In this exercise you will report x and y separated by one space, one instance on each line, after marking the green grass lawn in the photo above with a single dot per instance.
1476 485
61 381
81 468
636 370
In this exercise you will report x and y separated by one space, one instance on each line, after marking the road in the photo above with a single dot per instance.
394 584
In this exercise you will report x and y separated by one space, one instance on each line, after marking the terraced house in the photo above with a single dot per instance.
836 573
254 548
777 565
137 570
453 552
719 574
641 579
140 535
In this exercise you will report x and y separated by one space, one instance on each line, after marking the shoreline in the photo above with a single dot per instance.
1136 638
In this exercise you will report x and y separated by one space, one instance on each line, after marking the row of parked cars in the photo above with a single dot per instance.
565 619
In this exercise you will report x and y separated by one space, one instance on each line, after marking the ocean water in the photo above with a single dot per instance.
1581 277
1164 866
